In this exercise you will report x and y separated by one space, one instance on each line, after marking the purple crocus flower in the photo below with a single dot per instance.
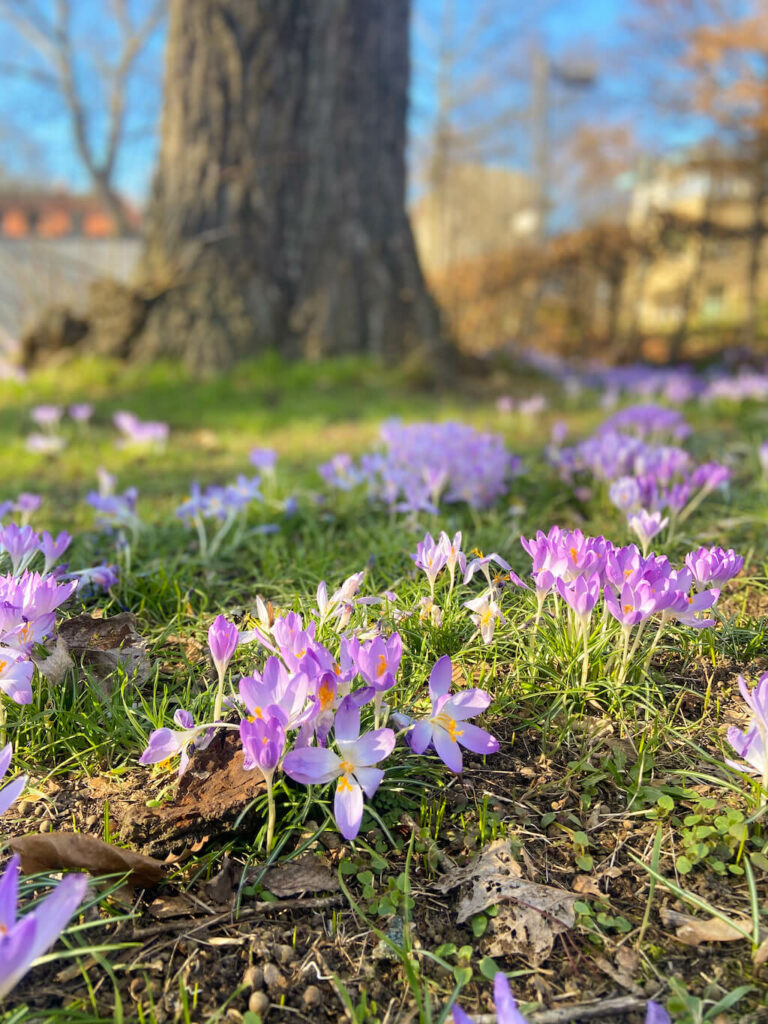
23 941
53 549
625 493
582 594
431 557
20 544
264 459
12 790
752 746
46 415
646 525
80 412
482 564
447 728
714 566
276 693
26 504
16 675
263 742
633 605
223 637
166 743
103 576
453 554
352 766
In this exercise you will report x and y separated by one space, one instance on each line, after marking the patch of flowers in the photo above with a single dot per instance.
425 464
302 711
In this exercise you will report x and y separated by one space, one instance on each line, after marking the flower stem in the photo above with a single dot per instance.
219 698
271 813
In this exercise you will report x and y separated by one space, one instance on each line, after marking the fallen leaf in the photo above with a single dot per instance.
56 665
67 851
307 874
621 976
694 930
587 885
221 888
495 876
529 929
760 956
170 906
105 645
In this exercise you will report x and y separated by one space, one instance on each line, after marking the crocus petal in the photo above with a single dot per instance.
183 719
459 1017
5 758
656 1014
440 677
55 911
420 737
348 807
15 950
369 779
312 765
11 792
372 747
466 704
477 740
506 1007
9 890
448 750
346 726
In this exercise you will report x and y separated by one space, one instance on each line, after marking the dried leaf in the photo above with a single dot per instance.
307 874
495 876
56 665
527 931
221 888
694 930
760 956
105 645
587 885
66 851
171 906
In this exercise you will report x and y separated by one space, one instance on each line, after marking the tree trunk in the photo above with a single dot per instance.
278 211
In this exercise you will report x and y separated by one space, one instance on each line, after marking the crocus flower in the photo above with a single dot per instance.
223 637
264 459
166 743
582 594
453 554
26 504
625 493
46 415
752 745
23 941
53 549
352 766
485 612
263 742
431 557
45 444
103 576
276 693
482 563
713 566
80 412
646 525
16 675
447 728
12 790
20 544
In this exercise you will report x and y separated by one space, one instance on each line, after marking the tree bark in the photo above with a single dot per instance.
278 212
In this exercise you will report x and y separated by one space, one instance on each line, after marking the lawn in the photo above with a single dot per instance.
605 854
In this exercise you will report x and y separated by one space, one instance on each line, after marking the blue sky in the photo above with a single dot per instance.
35 133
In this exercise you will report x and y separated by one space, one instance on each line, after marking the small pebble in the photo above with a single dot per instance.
285 954
258 1002
45 826
312 995
253 977
272 977
24 808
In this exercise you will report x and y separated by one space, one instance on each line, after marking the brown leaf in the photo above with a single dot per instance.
495 877
66 851
694 930
56 665
221 888
105 645
587 885
171 906
529 929
760 956
307 874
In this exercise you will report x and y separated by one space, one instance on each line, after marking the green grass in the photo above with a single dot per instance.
648 751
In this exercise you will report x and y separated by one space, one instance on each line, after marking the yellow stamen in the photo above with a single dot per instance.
344 784
326 695
382 666
448 723
628 608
